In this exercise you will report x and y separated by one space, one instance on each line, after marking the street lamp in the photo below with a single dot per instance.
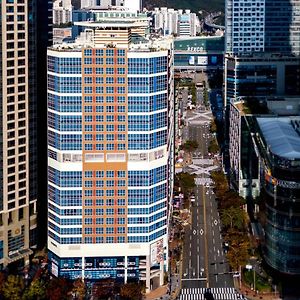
251 267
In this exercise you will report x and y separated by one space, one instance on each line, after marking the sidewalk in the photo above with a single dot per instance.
159 293
251 295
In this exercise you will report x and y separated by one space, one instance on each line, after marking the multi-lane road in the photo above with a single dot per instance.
204 260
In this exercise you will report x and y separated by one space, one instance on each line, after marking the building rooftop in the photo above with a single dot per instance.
200 43
282 135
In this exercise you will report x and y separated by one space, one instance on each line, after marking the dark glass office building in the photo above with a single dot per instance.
278 143
282 31
261 75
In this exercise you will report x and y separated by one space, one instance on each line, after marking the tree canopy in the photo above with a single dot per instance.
132 291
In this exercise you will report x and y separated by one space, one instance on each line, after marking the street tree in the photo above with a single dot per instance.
233 217
2 281
79 289
58 289
221 184
231 199
36 291
13 288
186 181
132 291
190 145
238 253
213 126
213 146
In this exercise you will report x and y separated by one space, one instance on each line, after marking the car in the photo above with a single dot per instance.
225 246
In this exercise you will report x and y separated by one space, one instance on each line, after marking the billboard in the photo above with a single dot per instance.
202 60
54 269
192 60
157 252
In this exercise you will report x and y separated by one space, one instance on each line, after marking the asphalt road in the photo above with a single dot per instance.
204 262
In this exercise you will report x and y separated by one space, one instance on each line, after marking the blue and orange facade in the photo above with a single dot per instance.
110 162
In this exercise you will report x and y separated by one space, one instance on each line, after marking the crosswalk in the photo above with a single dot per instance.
218 294
203 181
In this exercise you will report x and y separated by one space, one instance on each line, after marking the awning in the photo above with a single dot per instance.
19 255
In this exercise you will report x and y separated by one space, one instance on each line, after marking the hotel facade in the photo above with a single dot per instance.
110 155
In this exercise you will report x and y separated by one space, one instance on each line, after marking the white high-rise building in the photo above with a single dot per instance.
245 26
111 154
62 11
263 26
169 21
132 5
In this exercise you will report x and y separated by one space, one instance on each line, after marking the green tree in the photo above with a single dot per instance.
221 184
239 245
213 147
190 145
13 287
213 126
233 217
186 181
35 291
231 199
132 291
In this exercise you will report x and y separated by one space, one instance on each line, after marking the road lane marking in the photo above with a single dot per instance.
205 228
194 279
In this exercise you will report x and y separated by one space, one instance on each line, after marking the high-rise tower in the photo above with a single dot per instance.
262 26
19 36
110 143
262 62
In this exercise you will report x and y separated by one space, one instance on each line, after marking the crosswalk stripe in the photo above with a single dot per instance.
218 293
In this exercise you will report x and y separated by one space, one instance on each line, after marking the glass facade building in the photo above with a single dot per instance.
260 76
262 26
110 157
278 144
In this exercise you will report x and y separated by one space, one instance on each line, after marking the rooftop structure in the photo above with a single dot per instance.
282 136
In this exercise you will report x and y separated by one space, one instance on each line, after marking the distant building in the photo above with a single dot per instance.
62 12
199 53
133 5
111 153
141 21
169 21
262 26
